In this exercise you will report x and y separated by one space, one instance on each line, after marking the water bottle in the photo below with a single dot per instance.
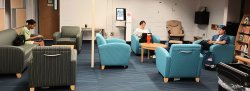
148 38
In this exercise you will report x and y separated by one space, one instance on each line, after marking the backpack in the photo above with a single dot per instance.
19 40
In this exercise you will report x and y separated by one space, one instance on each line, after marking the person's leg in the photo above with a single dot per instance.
40 43
204 45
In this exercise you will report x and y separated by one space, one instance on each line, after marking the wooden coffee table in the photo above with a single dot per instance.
71 46
150 46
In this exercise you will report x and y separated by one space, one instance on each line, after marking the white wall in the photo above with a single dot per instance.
218 10
32 12
154 12
2 3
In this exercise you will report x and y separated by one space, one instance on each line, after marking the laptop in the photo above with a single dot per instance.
144 38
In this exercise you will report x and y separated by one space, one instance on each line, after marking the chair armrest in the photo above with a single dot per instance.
56 36
113 52
73 55
200 65
156 39
115 40
135 43
79 41
222 53
218 47
73 64
163 61
12 50
197 41
12 55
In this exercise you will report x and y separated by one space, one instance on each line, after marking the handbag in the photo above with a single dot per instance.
19 40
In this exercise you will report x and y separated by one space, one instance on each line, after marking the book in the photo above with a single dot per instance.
245 39
242 48
245 49
247 30
241 38
243 29
246 21
238 47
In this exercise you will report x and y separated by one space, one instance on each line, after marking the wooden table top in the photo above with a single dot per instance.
71 46
152 46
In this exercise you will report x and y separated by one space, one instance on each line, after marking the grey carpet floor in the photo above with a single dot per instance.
137 77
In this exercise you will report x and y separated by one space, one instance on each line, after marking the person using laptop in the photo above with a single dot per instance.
141 29
26 31
141 32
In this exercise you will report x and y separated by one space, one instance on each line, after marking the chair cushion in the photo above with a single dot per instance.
66 41
173 23
174 27
69 31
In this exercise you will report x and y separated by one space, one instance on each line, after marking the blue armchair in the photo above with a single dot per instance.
220 53
183 60
113 51
136 46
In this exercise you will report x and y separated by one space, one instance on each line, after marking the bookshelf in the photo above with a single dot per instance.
242 43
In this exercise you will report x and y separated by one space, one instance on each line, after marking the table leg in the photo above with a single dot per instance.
142 53
148 53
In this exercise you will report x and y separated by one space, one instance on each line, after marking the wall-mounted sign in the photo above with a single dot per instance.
50 1
120 14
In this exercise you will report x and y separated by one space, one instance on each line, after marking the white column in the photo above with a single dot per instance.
225 12
93 35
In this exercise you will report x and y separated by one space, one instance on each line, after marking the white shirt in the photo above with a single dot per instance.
218 39
138 32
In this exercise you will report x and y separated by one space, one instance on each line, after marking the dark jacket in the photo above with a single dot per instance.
222 38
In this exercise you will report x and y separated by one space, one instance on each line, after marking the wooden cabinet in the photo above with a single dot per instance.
242 42
2 19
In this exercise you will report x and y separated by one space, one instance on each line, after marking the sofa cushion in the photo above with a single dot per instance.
7 36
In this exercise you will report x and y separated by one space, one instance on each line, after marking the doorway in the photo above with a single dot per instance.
48 18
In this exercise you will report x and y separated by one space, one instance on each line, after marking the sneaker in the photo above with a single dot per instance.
153 56
210 59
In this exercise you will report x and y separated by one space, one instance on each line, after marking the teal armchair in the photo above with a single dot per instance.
113 52
220 53
183 60
136 46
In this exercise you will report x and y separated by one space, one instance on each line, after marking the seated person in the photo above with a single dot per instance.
220 38
31 38
139 31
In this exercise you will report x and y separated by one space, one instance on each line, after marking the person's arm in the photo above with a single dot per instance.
211 41
223 42
136 32
220 42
